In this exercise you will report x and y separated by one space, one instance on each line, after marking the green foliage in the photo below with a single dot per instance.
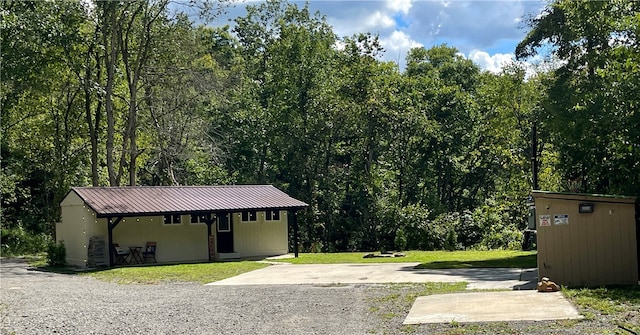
451 242
56 254
19 241
400 241
437 156
588 107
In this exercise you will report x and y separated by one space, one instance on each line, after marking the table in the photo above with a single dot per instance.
136 256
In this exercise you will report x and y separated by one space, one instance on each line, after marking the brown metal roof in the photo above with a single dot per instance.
150 200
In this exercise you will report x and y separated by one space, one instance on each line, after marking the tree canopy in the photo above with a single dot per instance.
434 156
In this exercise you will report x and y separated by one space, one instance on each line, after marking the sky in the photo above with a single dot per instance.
485 31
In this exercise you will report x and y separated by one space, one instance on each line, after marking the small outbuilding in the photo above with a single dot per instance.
186 223
587 240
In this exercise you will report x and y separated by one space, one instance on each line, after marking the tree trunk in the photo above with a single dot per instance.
92 124
110 54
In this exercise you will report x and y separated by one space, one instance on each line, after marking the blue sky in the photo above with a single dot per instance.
486 31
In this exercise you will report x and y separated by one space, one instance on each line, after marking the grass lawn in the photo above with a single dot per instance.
201 273
430 259
210 272
619 304
153 274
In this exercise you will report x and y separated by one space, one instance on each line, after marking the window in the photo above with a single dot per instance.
198 218
272 215
248 216
172 219
224 225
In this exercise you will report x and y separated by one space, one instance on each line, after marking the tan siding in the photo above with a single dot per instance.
72 229
260 238
598 248
175 243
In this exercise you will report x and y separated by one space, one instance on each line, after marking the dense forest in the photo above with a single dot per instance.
437 155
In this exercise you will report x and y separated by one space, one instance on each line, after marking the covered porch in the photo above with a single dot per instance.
187 224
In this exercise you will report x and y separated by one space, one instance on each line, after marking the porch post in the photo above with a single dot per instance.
110 226
295 233
211 243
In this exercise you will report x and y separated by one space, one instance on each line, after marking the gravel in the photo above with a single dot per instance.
36 302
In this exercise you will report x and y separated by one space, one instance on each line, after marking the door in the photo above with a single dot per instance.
224 233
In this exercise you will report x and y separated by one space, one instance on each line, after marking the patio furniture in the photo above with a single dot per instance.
136 256
120 255
149 252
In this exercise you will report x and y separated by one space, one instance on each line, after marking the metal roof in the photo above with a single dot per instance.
153 200
584 197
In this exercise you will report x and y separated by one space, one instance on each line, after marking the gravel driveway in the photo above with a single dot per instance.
34 302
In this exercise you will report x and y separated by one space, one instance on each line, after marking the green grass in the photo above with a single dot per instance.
200 273
398 299
621 303
606 300
430 259
153 274
210 272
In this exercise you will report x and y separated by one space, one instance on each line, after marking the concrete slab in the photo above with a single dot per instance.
383 273
490 307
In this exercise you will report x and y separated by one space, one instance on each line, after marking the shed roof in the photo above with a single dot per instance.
153 200
584 197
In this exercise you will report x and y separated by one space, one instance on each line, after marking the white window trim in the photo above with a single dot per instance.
228 224
198 222
164 222
249 216
266 218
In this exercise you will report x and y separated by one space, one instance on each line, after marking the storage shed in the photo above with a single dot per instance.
184 223
587 240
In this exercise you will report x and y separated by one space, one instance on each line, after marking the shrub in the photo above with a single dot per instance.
400 240
17 241
451 243
56 254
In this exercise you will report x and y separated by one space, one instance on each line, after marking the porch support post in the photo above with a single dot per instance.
294 218
110 226
211 244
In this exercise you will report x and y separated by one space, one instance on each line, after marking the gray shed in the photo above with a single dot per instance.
587 240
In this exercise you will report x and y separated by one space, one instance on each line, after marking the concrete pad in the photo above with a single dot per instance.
490 307
380 273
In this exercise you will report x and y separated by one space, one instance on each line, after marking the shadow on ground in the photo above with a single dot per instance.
521 262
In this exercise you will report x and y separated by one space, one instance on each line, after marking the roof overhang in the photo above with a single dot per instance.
140 201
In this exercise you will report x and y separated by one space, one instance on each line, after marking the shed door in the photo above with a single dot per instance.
224 233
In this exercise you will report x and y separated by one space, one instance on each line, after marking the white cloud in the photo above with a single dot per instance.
492 63
493 26
399 41
495 63
403 6
380 20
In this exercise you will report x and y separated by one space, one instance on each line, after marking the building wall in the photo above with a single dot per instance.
72 229
183 242
586 249
261 237
175 242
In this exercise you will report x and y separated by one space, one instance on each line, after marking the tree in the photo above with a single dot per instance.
589 109
288 116
42 145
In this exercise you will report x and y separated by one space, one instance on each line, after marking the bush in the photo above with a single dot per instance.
56 254
400 240
451 243
17 241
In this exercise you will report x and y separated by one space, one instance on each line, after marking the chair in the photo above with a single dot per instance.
120 255
149 252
